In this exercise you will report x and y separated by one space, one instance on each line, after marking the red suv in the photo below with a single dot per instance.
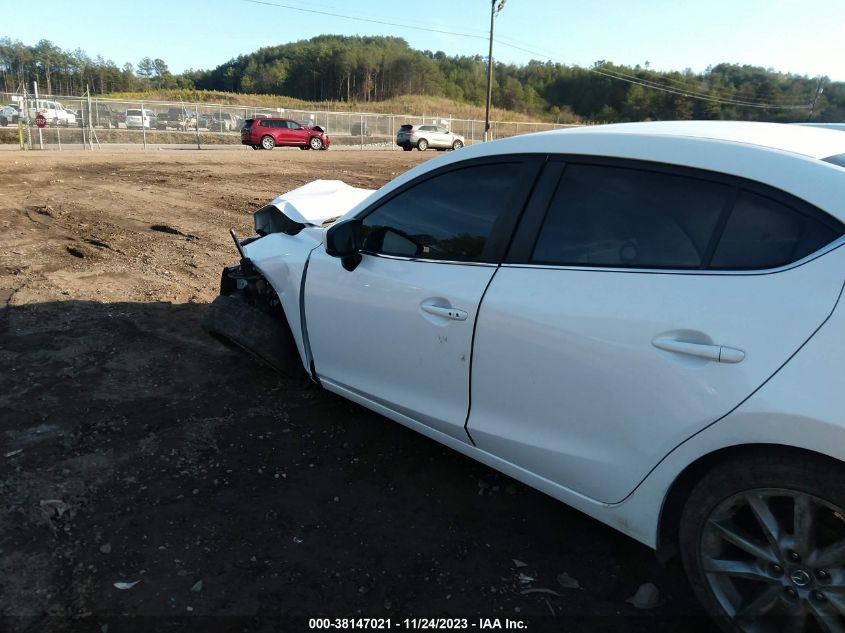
267 133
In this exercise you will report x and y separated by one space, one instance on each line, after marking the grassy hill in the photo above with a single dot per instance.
418 105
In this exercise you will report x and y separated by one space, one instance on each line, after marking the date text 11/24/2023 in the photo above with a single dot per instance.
431 624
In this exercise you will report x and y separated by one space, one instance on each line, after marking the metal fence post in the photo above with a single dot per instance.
82 124
197 113
40 137
143 128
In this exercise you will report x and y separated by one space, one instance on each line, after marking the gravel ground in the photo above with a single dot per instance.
133 449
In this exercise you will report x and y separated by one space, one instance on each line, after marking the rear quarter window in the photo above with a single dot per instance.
765 233
838 160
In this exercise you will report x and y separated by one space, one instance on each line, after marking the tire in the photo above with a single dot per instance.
751 579
457 145
407 148
267 142
257 147
240 326
315 142
422 145
304 147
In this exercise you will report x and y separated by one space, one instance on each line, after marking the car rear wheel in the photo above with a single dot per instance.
422 145
763 543
315 142
267 142
457 145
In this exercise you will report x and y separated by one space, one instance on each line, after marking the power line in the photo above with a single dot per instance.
692 94
617 75
370 20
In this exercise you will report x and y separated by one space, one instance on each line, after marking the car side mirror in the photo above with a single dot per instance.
343 240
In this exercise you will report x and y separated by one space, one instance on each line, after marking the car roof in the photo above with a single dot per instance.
804 140
787 157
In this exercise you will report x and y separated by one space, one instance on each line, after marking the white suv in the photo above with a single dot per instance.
641 320
424 136
137 119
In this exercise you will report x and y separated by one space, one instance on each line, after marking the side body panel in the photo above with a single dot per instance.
773 415
568 383
801 406
375 331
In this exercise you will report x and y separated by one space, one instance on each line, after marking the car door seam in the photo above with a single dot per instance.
472 352
306 343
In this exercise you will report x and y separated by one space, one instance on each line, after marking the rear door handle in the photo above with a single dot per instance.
455 314
717 353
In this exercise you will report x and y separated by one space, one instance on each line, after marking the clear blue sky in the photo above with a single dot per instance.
799 36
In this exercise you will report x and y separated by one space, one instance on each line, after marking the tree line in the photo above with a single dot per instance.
364 69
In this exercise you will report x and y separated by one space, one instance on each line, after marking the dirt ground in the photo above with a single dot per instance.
134 448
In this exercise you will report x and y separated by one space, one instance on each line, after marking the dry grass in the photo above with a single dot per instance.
417 105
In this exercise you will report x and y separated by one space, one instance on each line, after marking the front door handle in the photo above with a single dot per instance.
455 314
718 353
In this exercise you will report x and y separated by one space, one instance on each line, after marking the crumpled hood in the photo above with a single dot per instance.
320 200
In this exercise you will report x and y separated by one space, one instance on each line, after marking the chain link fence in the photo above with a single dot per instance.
76 122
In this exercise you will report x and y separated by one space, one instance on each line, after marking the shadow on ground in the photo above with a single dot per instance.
135 449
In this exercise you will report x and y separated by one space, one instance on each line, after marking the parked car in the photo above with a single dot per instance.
178 118
360 129
648 318
424 136
9 114
270 132
137 119
101 115
224 122
205 121
53 111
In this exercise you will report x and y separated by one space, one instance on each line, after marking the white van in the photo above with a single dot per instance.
53 111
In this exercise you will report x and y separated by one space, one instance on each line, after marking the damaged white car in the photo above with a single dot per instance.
643 321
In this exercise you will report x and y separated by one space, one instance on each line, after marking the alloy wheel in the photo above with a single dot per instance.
774 559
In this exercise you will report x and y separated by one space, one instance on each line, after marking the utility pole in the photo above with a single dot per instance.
494 11
819 91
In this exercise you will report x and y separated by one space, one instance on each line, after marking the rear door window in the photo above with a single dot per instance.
630 218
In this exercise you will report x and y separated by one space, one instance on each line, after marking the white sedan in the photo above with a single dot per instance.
640 320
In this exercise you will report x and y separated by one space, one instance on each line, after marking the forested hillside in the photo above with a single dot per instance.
367 69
